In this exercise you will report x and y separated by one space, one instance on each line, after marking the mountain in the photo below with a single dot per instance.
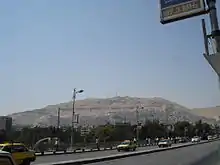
210 112
96 111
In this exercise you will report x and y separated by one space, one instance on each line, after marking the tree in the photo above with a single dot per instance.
104 132
152 130
183 128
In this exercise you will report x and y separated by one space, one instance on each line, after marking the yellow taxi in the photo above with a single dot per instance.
127 145
19 152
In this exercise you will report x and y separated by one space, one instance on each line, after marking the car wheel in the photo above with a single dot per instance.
118 150
134 149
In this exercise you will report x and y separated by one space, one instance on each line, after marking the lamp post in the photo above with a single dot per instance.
137 120
58 119
75 92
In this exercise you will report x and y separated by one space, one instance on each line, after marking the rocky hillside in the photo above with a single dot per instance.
113 110
210 112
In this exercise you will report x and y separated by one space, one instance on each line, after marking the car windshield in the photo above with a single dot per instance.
163 140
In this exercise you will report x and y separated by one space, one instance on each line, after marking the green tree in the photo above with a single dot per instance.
183 128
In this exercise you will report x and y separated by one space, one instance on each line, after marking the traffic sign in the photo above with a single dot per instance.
174 10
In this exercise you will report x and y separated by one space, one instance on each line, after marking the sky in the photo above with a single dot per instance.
106 47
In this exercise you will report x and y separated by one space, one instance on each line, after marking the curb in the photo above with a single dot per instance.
119 156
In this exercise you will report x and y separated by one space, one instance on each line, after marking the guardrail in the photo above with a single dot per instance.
90 148
124 155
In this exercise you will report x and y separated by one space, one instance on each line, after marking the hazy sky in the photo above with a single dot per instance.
48 47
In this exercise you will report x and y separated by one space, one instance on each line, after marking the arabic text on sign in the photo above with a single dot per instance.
181 9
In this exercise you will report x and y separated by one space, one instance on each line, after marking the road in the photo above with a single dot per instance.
74 156
182 156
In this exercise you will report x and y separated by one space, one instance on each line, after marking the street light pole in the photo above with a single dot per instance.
58 119
138 122
73 114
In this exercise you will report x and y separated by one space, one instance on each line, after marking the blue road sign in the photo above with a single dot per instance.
174 10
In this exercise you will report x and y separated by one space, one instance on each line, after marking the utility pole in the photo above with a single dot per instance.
166 109
167 122
58 119
73 117
166 117
137 120
73 114
185 131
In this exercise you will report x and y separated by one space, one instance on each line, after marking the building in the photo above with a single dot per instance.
5 123
5 127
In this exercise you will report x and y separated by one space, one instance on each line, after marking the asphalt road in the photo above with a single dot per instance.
182 156
74 156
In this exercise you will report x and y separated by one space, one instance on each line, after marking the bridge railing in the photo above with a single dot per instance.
84 147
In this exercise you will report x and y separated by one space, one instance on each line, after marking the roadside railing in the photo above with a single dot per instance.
89 147
210 159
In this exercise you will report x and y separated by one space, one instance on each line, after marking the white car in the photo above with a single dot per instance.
6 158
164 143
210 137
195 139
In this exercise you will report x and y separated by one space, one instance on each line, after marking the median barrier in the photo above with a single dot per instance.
124 155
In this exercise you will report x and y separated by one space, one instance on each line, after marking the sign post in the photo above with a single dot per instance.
174 10
213 57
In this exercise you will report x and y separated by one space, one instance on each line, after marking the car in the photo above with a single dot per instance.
21 154
164 143
6 158
127 145
210 137
184 140
195 139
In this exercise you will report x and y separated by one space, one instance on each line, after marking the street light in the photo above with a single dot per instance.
137 120
75 92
